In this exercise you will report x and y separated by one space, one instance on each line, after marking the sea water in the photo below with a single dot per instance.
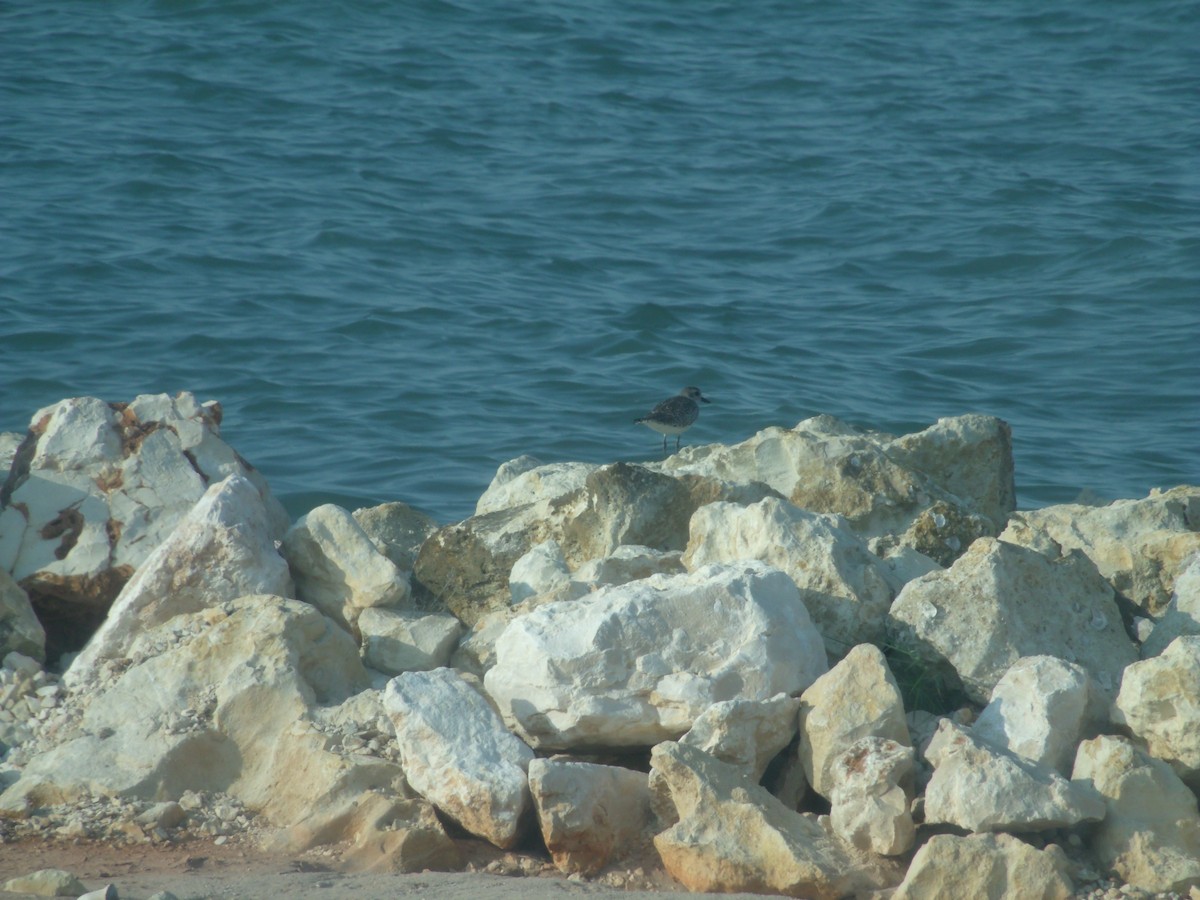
404 242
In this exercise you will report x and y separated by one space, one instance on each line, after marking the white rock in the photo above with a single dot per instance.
629 562
1140 546
871 800
466 566
1038 710
46 883
1150 835
251 670
19 662
992 607
20 630
1182 615
222 549
986 867
337 568
525 480
844 586
541 570
148 461
745 733
588 813
10 442
458 755
1159 703
630 665
983 788
731 835
96 487
855 699
395 641
886 486
968 456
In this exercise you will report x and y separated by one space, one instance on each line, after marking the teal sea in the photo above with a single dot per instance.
404 242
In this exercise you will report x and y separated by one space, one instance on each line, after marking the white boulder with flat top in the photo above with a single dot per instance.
634 664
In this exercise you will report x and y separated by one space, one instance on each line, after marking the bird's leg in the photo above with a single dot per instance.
677 437
664 443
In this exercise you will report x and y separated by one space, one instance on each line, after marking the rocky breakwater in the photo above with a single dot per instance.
822 662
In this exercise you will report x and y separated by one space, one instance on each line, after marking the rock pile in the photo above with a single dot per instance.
823 662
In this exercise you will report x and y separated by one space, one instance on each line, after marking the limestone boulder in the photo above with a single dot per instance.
1159 702
541 570
1150 834
541 576
589 814
746 733
877 481
968 456
397 530
396 640
871 800
218 700
20 630
1039 710
222 549
626 563
526 480
1140 546
457 753
987 867
466 566
857 698
982 788
631 665
338 569
845 587
971 622
731 835
46 883
1182 615
95 487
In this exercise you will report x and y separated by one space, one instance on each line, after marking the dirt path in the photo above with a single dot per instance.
241 871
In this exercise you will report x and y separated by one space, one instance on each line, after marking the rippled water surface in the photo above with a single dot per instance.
402 243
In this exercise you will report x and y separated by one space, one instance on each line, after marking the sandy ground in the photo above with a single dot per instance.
241 871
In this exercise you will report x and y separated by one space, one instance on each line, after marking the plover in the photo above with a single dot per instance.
674 415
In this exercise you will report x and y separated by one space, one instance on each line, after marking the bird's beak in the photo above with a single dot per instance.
705 399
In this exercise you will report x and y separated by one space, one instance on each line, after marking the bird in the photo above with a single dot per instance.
674 415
